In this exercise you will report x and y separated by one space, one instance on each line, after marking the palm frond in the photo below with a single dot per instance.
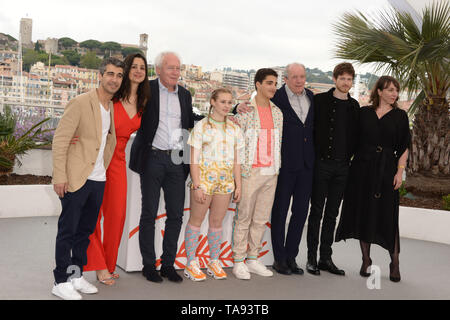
416 104
393 42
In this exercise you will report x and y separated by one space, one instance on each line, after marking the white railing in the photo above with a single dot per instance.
31 101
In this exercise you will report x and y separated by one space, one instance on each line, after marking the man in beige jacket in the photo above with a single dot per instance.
79 175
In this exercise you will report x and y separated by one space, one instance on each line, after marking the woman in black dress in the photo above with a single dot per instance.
371 200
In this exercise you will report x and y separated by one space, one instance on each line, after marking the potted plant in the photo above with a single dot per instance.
13 146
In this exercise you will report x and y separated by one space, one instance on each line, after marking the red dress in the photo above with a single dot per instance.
103 255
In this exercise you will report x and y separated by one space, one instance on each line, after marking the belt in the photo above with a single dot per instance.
379 154
167 152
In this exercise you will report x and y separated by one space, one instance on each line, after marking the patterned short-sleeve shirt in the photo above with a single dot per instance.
217 141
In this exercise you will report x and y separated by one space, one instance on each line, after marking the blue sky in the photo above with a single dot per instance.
214 34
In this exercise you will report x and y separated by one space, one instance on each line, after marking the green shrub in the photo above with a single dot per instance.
402 191
446 202
11 146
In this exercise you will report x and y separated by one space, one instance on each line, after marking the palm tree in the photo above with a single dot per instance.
419 59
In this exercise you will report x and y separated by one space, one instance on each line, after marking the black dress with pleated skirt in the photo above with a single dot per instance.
370 207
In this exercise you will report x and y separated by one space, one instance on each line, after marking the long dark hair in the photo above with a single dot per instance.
381 84
143 91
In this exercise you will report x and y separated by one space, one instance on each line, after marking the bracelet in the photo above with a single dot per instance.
401 167
195 187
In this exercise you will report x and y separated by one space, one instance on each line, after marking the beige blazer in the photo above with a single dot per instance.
73 163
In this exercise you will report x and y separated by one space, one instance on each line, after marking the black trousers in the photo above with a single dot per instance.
161 172
295 185
76 223
330 177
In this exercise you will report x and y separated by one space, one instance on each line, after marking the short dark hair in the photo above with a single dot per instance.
381 84
344 67
263 73
111 60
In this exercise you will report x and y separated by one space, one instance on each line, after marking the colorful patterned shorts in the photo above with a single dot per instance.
215 178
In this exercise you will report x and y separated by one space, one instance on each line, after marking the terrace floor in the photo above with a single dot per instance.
27 260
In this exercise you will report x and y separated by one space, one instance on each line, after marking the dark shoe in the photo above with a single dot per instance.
171 274
281 268
294 267
151 274
394 273
328 265
365 265
311 266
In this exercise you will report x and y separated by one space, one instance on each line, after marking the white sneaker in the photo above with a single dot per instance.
66 291
255 266
83 286
240 270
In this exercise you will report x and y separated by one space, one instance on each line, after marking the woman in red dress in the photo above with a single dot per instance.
129 103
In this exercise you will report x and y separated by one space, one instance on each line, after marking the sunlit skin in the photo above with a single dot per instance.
169 72
388 95
110 82
222 106
265 91
296 78
343 83
137 71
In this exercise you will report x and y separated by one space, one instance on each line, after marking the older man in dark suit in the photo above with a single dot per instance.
159 142
296 173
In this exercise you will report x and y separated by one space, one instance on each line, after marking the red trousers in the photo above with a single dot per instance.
102 251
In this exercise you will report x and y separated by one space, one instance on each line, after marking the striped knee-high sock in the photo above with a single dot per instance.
191 241
214 242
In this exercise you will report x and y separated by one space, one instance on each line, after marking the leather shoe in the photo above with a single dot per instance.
171 274
328 265
363 271
151 274
394 273
294 267
281 267
311 266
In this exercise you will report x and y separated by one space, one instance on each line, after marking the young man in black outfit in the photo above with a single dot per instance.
335 123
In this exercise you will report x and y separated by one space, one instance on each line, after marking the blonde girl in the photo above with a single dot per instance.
216 174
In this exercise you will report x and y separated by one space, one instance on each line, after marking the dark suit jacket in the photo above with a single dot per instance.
323 104
297 148
142 144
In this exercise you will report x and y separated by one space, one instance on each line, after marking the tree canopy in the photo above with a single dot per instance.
128 50
72 56
90 61
91 44
66 42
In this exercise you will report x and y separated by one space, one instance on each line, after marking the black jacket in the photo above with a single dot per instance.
323 122
142 144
